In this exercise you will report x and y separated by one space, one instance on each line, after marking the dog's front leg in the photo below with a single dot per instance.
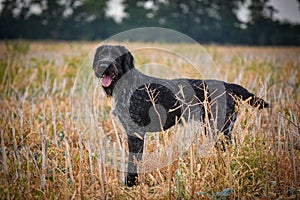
135 145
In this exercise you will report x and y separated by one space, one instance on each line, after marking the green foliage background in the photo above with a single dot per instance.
207 21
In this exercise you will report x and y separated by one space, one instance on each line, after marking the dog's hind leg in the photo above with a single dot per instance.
135 145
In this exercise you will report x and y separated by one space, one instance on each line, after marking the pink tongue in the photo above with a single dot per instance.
106 81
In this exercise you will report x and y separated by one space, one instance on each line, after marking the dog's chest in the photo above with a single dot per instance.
120 108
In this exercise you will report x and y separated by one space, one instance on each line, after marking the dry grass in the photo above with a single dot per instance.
43 153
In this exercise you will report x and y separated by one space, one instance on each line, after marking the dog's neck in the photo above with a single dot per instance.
124 89
128 83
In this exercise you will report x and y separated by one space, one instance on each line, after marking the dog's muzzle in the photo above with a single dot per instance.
106 72
99 70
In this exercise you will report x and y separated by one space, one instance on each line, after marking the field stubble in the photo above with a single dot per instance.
43 153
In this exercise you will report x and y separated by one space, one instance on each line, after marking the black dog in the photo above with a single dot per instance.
147 104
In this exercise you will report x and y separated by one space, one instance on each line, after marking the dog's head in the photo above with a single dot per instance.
110 63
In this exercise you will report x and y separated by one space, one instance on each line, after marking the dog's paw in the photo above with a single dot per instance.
131 179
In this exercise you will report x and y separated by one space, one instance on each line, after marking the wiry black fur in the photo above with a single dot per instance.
117 60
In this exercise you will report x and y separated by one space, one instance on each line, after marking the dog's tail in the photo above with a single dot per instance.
247 96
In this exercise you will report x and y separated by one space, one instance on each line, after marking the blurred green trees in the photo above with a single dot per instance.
207 21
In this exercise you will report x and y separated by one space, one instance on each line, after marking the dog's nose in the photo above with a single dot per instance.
103 65
99 70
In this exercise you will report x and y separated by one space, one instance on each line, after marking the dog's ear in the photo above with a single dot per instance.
127 59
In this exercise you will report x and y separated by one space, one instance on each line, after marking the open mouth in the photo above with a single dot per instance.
107 79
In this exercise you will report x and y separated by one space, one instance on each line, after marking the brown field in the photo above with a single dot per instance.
44 153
